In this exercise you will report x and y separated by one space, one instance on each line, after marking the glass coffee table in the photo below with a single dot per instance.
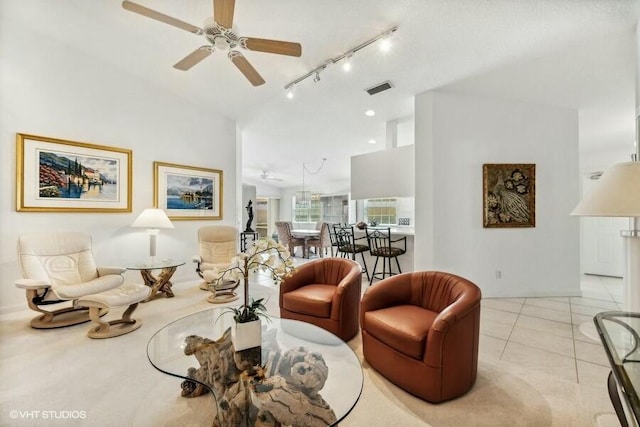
307 376
619 332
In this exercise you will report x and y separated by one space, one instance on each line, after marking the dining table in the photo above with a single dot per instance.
305 234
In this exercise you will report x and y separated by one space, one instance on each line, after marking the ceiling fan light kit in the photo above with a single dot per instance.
345 58
218 31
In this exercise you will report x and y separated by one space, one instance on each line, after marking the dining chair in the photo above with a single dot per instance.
286 239
349 245
382 245
322 242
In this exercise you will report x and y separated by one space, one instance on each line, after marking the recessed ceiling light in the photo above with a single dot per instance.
372 141
370 113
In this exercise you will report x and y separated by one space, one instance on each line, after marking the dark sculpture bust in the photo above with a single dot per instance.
250 213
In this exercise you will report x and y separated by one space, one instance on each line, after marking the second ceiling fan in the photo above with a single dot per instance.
218 32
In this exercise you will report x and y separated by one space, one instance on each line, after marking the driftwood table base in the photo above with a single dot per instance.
284 391
161 284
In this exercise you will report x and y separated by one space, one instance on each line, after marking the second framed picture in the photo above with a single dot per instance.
187 192
509 195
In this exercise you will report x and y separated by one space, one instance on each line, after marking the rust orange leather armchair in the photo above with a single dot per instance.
326 293
420 330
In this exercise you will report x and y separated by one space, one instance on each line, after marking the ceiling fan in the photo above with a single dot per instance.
265 176
218 32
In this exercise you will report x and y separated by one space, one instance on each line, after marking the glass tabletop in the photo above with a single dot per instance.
155 264
618 332
167 351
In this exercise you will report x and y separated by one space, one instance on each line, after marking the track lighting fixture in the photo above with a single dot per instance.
345 57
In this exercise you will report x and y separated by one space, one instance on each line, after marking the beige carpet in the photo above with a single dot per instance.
112 383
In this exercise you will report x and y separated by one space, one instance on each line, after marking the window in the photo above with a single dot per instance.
381 211
307 211
317 208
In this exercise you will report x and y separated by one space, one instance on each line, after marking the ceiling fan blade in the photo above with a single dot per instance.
245 68
223 12
267 177
272 46
193 58
150 13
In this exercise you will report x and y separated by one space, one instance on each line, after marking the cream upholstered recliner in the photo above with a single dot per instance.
59 267
217 245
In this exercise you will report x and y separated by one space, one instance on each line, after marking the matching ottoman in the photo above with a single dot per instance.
128 294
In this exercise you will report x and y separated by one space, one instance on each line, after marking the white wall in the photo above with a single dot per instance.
455 135
384 173
48 89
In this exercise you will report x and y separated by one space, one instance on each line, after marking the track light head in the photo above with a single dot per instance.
290 92
346 65
385 44
345 58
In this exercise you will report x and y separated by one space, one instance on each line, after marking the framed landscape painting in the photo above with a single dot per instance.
509 195
187 192
56 175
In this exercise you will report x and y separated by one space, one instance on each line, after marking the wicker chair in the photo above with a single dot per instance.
322 242
286 239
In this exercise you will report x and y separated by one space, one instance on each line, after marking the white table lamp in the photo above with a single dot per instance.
152 220
617 193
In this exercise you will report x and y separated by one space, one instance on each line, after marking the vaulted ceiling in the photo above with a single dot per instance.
574 54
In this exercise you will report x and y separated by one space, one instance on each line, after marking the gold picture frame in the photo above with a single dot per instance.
58 175
509 195
188 192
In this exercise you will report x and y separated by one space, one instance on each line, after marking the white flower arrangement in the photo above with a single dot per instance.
264 255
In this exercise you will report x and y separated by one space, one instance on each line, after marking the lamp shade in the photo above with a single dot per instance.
152 218
617 193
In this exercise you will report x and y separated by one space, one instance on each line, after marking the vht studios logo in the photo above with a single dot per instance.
47 415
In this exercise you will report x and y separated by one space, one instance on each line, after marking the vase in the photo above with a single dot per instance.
246 335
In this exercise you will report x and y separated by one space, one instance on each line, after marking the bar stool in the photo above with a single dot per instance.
334 239
381 246
347 246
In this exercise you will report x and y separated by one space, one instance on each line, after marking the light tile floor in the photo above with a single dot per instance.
552 334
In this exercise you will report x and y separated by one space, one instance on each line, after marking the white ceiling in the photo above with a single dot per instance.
568 53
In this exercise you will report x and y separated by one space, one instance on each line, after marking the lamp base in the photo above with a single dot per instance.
632 270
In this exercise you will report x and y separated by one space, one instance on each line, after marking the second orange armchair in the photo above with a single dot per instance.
326 293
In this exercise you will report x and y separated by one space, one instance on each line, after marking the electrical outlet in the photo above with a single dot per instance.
498 274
